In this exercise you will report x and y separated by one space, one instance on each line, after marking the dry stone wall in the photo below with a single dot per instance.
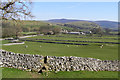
27 39
21 61
37 63
79 63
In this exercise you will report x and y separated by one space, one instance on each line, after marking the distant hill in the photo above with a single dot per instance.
108 24
62 20
104 24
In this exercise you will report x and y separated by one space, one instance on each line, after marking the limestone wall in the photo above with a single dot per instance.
21 61
30 62
79 63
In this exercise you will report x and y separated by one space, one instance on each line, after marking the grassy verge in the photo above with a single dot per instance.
15 73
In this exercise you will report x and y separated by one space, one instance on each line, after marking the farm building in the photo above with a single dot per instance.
78 33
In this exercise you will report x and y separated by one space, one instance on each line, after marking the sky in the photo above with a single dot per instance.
75 0
75 10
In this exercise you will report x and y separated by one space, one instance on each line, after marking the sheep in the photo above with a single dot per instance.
67 45
26 46
76 45
101 46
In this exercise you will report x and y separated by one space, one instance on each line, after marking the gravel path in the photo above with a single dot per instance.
13 44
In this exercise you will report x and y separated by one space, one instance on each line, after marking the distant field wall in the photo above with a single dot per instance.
40 63
34 40
86 37
55 42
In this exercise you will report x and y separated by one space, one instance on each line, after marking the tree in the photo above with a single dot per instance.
107 30
10 30
45 29
56 30
98 31
26 29
15 9
49 29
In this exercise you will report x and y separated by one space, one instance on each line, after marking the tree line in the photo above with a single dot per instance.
14 29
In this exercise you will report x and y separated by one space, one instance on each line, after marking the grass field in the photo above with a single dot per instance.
83 38
94 36
15 73
28 33
108 52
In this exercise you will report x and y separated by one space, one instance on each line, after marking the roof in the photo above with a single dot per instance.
75 32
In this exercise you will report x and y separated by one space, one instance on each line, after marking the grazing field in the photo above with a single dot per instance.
15 73
47 49
93 50
108 52
28 33
80 38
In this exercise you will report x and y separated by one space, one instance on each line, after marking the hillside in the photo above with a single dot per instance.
103 24
84 24
78 25
25 23
33 23
108 24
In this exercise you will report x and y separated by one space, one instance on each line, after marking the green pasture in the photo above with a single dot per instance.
67 37
94 36
15 73
4 41
108 52
28 33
